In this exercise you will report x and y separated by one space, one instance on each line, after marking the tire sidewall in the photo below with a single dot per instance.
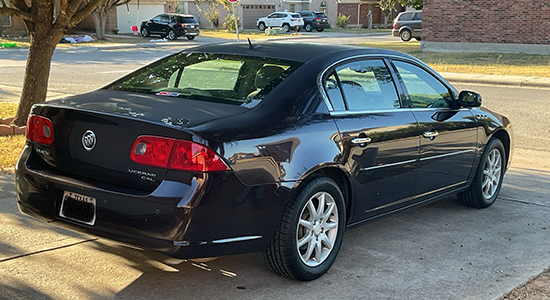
260 26
478 180
308 27
301 270
407 36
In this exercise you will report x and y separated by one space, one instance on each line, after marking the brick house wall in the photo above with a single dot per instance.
486 21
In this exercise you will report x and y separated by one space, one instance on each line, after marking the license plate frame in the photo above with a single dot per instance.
79 208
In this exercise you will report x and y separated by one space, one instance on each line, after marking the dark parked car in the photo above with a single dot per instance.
276 147
314 20
171 26
408 25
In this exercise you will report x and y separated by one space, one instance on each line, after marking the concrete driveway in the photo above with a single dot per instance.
440 251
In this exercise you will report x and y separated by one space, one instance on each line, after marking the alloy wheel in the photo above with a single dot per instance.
491 174
317 229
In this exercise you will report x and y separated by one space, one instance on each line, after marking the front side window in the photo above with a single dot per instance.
365 85
424 90
231 79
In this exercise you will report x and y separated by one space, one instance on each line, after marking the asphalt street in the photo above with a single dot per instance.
440 251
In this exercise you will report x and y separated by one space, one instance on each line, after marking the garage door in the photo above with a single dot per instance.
130 15
251 14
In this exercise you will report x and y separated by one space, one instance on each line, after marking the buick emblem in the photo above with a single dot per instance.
88 140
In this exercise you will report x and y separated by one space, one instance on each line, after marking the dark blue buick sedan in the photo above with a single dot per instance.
276 147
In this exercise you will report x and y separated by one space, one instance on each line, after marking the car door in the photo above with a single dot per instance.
448 134
156 24
379 142
272 20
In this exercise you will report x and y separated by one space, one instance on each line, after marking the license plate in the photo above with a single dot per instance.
78 208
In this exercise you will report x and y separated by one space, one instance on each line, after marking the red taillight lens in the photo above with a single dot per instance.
394 26
318 19
152 151
40 130
175 154
183 25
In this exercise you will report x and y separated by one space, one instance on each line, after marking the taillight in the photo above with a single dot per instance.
183 25
174 154
318 19
394 25
39 129
293 20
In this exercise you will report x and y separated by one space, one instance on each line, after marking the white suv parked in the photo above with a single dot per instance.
285 20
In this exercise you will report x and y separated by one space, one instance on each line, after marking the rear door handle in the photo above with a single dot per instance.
361 140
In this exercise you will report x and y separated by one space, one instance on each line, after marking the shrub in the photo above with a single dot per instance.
229 23
342 21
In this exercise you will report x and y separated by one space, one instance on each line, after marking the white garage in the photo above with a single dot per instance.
128 16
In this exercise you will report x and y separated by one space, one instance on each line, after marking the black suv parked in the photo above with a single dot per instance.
171 26
314 20
408 25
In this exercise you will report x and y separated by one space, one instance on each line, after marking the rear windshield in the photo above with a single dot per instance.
191 20
321 15
295 15
232 79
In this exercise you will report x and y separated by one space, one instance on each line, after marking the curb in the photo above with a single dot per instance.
7 129
505 80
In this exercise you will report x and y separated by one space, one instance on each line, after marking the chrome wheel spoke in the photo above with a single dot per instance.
315 231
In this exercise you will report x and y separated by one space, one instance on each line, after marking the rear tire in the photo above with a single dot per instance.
286 27
405 35
307 240
488 178
320 29
172 35
308 27
190 37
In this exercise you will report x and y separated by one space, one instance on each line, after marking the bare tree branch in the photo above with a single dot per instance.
83 12
17 13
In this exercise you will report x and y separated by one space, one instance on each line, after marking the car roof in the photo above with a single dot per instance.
180 15
301 52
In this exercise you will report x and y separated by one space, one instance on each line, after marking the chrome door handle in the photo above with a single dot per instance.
430 134
363 140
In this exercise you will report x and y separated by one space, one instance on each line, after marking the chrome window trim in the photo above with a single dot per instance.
417 160
420 64
420 109
359 112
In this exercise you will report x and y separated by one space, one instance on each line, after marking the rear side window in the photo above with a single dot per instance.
232 79
405 17
418 16
362 85
188 20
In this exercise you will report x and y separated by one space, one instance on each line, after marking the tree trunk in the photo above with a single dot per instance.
99 16
37 70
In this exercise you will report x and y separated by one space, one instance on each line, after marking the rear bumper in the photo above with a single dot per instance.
199 216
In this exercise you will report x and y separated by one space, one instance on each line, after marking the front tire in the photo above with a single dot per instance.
488 178
405 35
261 26
190 37
308 239
145 32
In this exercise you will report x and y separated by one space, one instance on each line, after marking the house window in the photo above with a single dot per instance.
5 21
292 7
323 7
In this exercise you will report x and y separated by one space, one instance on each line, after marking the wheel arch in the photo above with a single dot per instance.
504 137
340 177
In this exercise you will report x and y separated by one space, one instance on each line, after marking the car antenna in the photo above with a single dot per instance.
250 46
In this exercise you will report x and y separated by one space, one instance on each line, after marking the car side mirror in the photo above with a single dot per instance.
469 99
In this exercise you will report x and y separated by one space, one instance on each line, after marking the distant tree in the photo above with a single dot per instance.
387 6
46 22
100 14
417 4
